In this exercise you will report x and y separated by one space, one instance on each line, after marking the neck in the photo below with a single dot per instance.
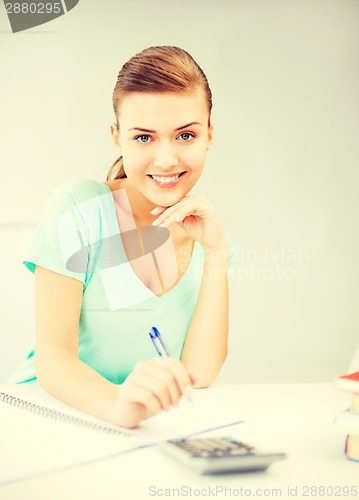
133 204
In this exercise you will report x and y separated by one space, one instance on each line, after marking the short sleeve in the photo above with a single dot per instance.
60 234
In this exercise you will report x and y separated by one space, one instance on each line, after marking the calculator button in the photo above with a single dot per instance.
215 447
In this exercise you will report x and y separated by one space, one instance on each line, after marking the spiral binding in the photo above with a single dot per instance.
59 416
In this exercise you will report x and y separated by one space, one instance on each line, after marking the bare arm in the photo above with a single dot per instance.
205 348
58 304
151 387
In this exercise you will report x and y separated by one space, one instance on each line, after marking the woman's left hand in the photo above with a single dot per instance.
197 217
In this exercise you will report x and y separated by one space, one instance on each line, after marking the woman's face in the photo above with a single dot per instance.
163 139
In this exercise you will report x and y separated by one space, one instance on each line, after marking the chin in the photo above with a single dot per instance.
168 200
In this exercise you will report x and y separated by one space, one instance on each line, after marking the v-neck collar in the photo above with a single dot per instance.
176 286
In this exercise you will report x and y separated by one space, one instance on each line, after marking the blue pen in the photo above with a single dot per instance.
158 343
162 351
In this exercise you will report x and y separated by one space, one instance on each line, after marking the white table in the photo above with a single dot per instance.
295 418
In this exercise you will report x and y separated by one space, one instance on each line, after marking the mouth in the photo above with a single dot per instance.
166 181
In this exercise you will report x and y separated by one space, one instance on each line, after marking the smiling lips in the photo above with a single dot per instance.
166 181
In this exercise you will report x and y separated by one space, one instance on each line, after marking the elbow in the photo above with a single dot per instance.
204 381
42 369
201 384
206 377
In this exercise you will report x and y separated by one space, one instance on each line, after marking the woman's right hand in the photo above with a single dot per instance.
152 386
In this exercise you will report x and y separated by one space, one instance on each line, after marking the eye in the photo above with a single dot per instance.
143 138
186 136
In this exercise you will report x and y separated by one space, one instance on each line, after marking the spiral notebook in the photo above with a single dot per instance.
39 434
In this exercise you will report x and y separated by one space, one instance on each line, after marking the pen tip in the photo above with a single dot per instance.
188 392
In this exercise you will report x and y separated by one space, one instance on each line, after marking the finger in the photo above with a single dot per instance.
158 380
158 210
180 216
164 215
138 402
168 389
182 377
177 213
164 212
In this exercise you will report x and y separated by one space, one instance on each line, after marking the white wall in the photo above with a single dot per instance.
17 297
283 172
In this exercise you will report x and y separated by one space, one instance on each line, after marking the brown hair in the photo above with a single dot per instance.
157 69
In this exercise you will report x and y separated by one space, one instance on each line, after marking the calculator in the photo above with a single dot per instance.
219 454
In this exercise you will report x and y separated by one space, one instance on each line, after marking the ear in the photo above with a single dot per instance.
210 135
115 135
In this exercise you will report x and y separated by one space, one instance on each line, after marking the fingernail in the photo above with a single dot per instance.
155 210
155 222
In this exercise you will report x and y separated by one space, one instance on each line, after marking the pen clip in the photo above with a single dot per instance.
154 342
158 342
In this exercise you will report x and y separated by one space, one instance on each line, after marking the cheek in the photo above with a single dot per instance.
135 160
195 157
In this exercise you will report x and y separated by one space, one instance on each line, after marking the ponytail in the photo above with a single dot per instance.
120 173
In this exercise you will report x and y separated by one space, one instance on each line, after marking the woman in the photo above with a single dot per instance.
105 275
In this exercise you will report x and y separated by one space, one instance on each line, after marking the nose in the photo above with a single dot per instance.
165 156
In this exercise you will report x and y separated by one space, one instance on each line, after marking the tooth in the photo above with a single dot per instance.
165 180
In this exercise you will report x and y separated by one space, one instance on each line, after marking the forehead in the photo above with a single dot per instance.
149 108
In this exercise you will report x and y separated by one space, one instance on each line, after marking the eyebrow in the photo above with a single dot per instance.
154 131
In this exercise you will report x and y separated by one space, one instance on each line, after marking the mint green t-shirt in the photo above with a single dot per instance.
118 309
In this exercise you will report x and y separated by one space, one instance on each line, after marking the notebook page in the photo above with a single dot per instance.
32 444
208 411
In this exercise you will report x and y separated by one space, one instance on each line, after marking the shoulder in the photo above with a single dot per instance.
75 193
81 189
